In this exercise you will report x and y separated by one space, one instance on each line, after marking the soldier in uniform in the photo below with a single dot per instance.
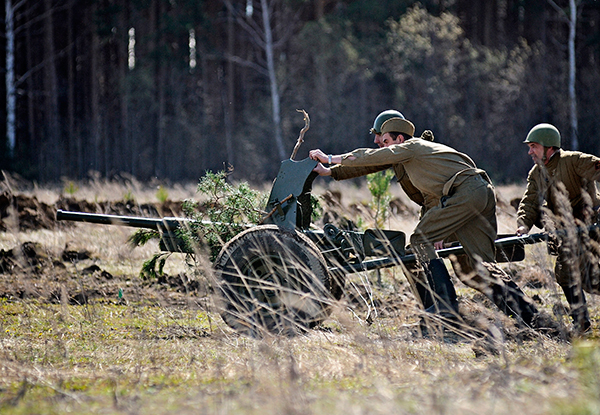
459 204
561 194
415 275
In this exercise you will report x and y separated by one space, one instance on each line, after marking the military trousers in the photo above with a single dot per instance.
578 263
468 215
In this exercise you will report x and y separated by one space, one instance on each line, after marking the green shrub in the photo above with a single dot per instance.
161 194
70 188
128 197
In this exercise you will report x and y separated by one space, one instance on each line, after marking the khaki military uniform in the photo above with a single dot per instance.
577 204
344 172
437 173
415 275
460 199
341 172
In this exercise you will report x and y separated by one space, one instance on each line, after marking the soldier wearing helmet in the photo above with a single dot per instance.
543 141
561 193
379 120
460 203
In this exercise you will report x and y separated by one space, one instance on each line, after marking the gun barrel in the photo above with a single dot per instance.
135 222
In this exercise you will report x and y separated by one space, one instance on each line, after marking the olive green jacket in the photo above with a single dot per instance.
429 168
577 171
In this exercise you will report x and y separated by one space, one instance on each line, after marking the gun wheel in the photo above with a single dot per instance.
272 280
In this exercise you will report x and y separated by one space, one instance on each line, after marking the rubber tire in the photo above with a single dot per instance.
273 280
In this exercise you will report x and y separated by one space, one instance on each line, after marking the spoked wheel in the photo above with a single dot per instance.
272 280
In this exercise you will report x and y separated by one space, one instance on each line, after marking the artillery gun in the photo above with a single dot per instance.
281 274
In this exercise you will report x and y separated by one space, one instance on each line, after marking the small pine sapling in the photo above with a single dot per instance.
379 186
226 211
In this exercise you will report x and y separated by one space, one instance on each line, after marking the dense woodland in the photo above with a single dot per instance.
168 89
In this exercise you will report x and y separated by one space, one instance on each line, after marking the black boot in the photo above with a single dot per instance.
578 309
423 291
512 301
442 295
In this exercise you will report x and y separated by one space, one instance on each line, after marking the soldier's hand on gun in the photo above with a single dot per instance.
321 157
322 170
522 230
318 155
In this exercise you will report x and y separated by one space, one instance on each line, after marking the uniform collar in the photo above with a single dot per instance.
553 162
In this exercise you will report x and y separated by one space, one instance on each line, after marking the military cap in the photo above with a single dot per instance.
398 125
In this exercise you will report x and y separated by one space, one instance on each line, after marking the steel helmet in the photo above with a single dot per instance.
383 117
544 134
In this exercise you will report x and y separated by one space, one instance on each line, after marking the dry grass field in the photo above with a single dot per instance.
81 332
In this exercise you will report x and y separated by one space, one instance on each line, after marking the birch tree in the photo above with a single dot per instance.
261 34
11 88
570 17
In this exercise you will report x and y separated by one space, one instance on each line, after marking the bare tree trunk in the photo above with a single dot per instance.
490 18
161 165
571 20
131 109
206 99
74 143
95 97
54 162
572 72
11 97
122 143
319 9
31 100
161 81
228 102
275 100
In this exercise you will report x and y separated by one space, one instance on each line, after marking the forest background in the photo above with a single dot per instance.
167 89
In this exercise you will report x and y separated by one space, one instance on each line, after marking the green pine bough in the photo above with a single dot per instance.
225 211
